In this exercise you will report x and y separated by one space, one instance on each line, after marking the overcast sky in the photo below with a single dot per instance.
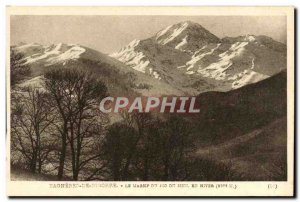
110 33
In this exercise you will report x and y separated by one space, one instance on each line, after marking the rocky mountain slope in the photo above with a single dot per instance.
188 56
237 112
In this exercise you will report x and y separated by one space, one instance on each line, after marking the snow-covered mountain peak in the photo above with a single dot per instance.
175 30
186 36
170 33
128 48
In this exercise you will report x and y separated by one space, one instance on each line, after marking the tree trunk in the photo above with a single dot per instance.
75 175
33 163
73 154
146 169
62 153
131 154
62 161
166 173
39 158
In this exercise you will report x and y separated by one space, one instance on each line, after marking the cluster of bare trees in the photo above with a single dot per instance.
30 122
76 95
59 120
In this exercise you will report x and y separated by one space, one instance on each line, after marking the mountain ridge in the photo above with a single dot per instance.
231 61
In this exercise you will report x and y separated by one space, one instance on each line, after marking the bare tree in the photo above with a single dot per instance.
177 145
76 95
31 119
117 148
139 121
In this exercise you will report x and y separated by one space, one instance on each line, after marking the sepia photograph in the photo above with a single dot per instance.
170 102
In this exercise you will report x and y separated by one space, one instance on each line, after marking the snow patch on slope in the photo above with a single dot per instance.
53 54
154 74
162 32
182 43
190 72
166 39
135 59
247 77
218 69
71 54
48 52
250 38
197 57
123 52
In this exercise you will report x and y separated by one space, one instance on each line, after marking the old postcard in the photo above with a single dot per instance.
150 101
